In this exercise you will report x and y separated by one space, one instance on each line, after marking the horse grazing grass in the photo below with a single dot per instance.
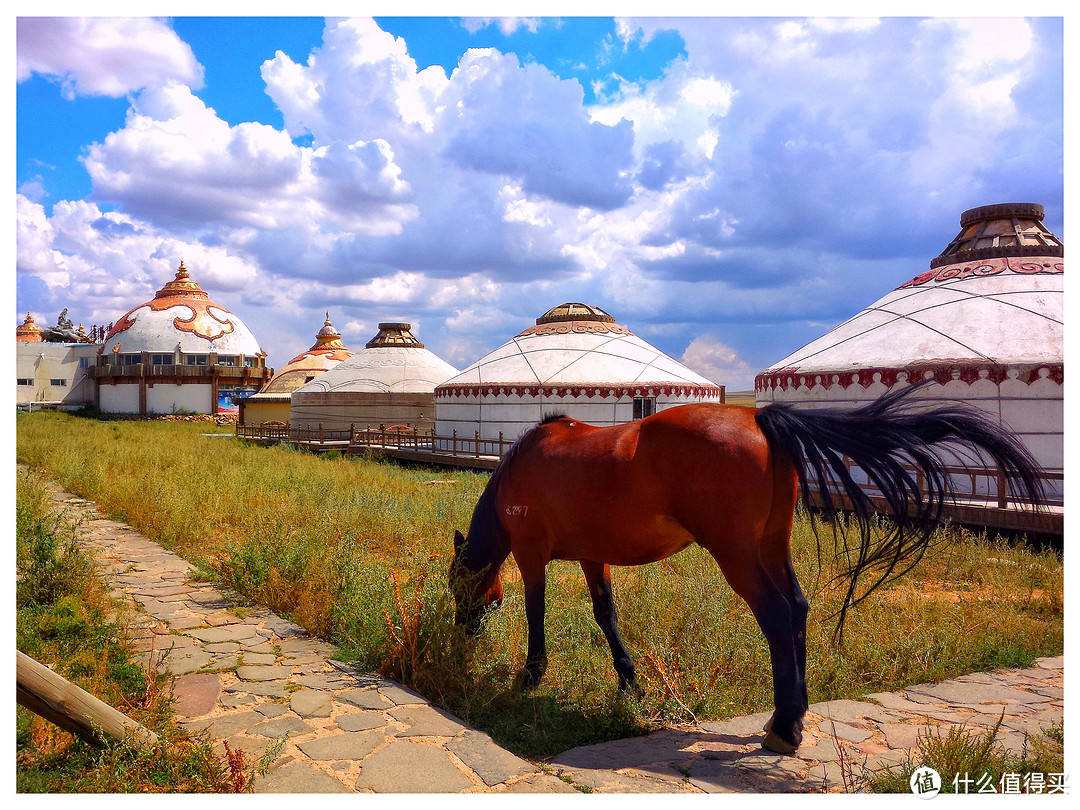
727 478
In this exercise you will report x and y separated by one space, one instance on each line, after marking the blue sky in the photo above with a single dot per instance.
729 188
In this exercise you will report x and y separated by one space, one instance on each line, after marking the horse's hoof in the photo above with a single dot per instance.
632 688
528 679
773 742
768 725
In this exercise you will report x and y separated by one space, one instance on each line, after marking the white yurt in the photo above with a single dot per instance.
272 402
178 352
985 322
390 383
576 360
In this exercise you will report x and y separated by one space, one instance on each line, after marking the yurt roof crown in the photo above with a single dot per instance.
394 335
998 231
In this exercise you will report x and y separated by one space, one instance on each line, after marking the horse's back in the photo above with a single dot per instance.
640 491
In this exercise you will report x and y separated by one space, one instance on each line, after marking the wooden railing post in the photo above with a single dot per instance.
1003 489
500 444
72 708
477 446
453 446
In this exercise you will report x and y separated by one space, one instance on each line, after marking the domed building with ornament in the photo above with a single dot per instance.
272 403
390 383
178 353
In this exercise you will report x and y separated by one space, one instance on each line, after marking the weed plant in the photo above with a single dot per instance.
981 758
65 619
357 551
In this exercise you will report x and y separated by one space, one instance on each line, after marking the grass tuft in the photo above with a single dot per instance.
979 757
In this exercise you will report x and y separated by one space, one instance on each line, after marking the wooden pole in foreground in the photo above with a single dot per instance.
72 708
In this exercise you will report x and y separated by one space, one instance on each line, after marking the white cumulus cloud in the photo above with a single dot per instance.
102 56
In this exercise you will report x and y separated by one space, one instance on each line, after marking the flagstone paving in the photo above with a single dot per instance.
248 677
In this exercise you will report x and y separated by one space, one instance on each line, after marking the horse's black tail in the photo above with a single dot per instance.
885 438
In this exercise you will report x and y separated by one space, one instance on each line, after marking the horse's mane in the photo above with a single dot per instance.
486 539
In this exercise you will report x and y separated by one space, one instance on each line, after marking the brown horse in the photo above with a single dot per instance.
727 478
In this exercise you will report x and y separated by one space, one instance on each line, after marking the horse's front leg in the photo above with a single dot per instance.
598 577
534 578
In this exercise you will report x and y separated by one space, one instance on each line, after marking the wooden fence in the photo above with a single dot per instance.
396 437
982 491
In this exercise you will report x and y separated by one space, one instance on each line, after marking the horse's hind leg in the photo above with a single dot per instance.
799 609
598 577
777 618
781 621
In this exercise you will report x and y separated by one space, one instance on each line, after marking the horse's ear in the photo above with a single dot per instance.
459 540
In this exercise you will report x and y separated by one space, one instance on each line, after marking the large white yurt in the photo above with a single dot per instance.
575 360
272 403
178 352
389 383
985 322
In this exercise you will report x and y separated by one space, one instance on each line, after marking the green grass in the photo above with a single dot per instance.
357 552
65 619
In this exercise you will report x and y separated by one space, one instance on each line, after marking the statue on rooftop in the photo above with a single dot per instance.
64 331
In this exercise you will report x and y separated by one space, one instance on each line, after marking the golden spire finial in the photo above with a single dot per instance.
181 272
328 319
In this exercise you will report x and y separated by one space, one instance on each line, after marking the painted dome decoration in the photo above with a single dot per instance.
986 322
575 359
327 352
393 361
181 317
29 331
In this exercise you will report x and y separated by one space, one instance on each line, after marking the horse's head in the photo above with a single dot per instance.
475 591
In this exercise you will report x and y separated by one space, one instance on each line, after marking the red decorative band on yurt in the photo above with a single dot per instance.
588 391
577 328
942 373
992 267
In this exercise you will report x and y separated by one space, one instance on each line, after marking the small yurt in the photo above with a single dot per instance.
272 403
985 322
576 360
179 352
389 383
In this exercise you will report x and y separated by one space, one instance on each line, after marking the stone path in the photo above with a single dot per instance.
842 739
259 682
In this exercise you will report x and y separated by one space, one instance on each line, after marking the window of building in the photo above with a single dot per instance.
25 381
84 362
58 382
226 360
644 406
249 362
162 359
196 359
131 359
